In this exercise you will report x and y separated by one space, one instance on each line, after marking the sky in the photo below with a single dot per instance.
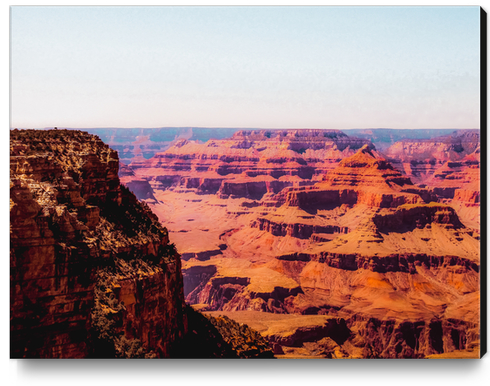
265 67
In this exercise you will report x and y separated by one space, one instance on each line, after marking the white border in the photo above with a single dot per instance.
267 372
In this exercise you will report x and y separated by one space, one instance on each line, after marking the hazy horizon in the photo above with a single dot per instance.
240 128
245 67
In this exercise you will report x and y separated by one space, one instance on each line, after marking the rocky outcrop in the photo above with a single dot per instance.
92 271
459 181
334 328
357 336
467 196
220 337
393 263
409 217
236 294
320 198
253 189
246 342
249 164
447 147
217 287
366 168
300 231
364 178
458 184
411 339
421 159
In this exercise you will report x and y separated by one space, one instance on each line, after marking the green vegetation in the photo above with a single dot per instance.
108 340
247 342
219 337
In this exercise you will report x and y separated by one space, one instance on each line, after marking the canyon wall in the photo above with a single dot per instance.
365 245
92 271
421 158
325 245
250 164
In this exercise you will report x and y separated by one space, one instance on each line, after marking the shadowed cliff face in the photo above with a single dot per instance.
92 271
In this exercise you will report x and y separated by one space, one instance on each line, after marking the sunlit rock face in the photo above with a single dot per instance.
448 166
325 245
249 164
379 261
92 271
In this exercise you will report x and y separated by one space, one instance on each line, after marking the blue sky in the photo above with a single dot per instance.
271 67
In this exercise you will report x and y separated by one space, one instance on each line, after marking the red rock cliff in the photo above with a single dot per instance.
249 164
92 271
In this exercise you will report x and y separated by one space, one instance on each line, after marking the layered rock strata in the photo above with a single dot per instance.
363 179
249 164
458 184
420 159
364 245
92 271
311 223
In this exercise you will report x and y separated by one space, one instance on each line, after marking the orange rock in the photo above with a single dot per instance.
80 245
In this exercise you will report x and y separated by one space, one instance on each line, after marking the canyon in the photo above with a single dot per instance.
325 245
92 271
290 243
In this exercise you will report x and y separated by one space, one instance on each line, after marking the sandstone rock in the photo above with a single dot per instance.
140 188
249 164
303 229
92 270
420 159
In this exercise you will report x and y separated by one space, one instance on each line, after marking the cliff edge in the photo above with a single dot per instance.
92 272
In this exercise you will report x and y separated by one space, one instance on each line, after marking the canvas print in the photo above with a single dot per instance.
245 182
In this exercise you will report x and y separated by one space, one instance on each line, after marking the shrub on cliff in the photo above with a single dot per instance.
105 318
247 342
220 337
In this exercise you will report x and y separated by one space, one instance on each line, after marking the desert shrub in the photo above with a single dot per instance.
108 341
129 348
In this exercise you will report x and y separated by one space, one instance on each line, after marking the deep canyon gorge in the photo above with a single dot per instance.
261 243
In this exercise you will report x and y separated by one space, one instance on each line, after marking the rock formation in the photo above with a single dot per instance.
92 271
220 337
324 245
358 243
419 159
448 166
249 164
